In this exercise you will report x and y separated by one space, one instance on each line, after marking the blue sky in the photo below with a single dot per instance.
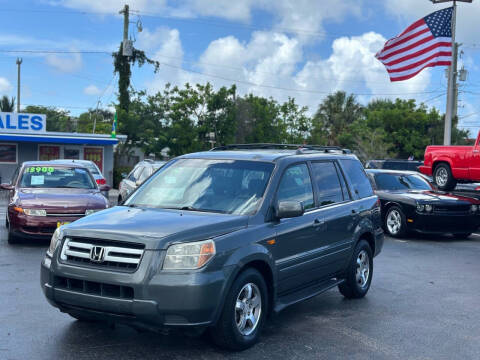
303 49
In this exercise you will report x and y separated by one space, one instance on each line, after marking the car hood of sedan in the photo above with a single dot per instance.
80 199
156 228
432 196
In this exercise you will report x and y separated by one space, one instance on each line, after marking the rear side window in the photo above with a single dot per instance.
326 177
359 182
296 186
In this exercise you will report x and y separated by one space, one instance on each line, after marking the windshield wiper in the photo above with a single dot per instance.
191 208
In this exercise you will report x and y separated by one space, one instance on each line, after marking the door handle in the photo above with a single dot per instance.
318 222
476 151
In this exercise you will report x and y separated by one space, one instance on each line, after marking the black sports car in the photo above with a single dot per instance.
410 203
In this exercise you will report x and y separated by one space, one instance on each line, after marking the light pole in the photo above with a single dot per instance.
452 75
19 63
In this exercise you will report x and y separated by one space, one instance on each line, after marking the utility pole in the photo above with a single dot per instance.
19 62
127 45
452 76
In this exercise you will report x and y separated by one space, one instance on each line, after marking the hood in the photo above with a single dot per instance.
431 196
66 199
156 228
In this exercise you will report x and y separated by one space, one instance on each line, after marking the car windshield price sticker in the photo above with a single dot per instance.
38 169
37 180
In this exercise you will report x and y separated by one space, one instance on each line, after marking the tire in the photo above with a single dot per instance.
226 333
443 178
356 287
394 222
462 235
11 238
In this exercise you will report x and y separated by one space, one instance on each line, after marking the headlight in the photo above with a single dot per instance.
189 256
35 212
420 207
428 208
474 208
56 238
91 211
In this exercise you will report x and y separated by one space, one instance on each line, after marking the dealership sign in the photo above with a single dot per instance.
22 123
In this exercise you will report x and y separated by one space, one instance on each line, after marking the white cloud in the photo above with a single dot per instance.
5 86
91 90
65 63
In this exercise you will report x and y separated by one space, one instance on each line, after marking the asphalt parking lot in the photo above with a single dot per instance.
423 304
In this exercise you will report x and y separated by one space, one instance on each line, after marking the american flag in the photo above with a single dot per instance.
425 43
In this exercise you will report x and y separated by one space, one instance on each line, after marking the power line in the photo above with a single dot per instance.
288 89
57 51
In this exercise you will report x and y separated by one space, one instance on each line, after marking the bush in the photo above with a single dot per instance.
117 174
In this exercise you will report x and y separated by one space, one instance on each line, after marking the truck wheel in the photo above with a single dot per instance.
443 177
243 314
359 273
394 222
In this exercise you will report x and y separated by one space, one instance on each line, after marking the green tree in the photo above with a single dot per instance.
57 119
333 117
6 104
297 123
103 124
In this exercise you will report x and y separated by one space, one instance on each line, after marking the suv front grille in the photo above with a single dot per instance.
110 255
93 288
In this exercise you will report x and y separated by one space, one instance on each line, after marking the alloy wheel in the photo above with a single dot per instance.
363 269
248 309
441 176
394 222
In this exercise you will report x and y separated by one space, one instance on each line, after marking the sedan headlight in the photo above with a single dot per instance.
189 256
428 208
420 207
35 212
56 238
474 208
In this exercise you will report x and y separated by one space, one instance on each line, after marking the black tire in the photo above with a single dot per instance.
11 238
462 235
449 183
402 231
226 333
351 288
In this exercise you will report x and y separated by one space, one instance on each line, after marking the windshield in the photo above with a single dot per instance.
401 182
56 177
223 186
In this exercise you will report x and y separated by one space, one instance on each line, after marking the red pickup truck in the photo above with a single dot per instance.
451 164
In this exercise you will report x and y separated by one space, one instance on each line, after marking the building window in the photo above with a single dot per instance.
47 152
71 153
94 154
8 153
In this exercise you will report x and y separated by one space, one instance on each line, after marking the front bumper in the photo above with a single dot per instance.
32 227
441 224
164 299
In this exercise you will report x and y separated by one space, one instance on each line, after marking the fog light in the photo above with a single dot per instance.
420 207
428 208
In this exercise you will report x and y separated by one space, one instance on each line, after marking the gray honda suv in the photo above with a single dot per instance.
217 240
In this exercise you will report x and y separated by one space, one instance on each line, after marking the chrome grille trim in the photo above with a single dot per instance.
66 215
116 257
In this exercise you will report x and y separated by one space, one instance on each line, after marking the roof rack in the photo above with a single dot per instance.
300 148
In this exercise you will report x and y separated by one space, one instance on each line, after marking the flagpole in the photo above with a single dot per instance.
452 75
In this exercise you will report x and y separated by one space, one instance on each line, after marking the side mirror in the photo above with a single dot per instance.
124 175
7 187
104 187
289 209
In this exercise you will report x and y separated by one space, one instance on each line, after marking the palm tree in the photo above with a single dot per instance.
335 113
7 105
